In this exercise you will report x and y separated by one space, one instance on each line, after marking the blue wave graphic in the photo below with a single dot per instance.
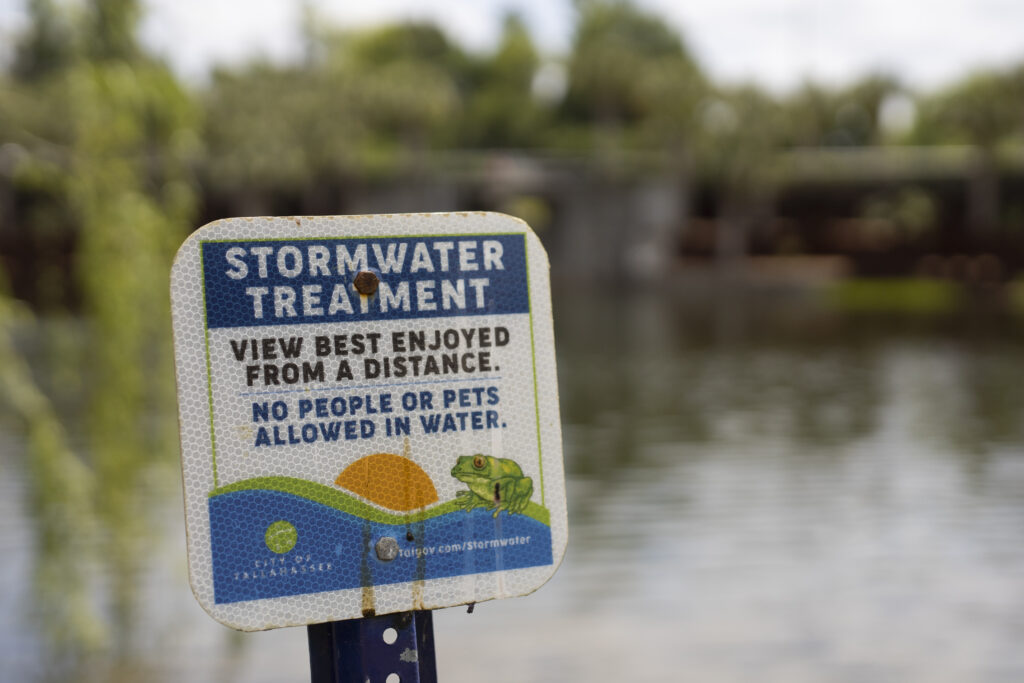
334 550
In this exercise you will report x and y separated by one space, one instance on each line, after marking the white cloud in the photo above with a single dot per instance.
195 34
775 42
782 42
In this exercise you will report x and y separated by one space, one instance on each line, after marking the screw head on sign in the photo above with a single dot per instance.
387 549
366 282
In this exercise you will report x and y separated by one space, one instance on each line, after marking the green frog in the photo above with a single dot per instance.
495 483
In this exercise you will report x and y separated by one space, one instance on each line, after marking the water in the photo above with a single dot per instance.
758 489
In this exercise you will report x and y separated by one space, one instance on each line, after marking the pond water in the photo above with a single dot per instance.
757 489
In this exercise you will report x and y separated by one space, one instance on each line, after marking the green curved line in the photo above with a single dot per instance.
339 500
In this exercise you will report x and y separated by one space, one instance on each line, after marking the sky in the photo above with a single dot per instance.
777 43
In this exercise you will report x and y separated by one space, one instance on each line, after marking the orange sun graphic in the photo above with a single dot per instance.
389 480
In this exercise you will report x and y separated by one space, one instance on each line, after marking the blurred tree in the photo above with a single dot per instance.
812 109
983 110
406 82
672 90
416 42
35 124
129 184
108 136
741 133
367 104
625 66
860 115
61 499
847 117
271 131
501 109
48 45
110 27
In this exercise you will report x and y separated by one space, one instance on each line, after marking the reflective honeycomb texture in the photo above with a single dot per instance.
317 419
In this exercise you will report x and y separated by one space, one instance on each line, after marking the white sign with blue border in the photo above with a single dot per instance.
369 415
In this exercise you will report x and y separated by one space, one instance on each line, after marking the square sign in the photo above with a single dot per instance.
369 415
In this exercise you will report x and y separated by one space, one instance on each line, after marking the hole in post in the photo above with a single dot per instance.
393 678
390 636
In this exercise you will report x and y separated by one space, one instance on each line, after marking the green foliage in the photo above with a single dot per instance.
738 138
898 295
377 102
369 104
411 42
816 116
614 44
983 110
403 81
311 130
502 111
47 47
129 187
110 30
860 114
62 494
104 143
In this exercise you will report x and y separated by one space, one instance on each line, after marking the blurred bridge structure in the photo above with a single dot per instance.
832 211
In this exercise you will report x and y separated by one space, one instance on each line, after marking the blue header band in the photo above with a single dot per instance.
282 282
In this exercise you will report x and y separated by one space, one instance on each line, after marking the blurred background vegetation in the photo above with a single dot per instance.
632 164
895 181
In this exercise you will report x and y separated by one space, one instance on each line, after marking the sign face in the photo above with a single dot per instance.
369 415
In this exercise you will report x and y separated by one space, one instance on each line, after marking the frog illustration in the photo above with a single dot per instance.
495 483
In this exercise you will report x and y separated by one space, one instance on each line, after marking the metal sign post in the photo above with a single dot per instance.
369 425
373 649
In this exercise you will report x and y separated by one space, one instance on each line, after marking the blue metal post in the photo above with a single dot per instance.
356 651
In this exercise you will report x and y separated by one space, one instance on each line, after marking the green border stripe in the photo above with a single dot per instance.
533 358
339 500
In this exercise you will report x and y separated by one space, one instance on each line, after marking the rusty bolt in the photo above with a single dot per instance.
366 282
